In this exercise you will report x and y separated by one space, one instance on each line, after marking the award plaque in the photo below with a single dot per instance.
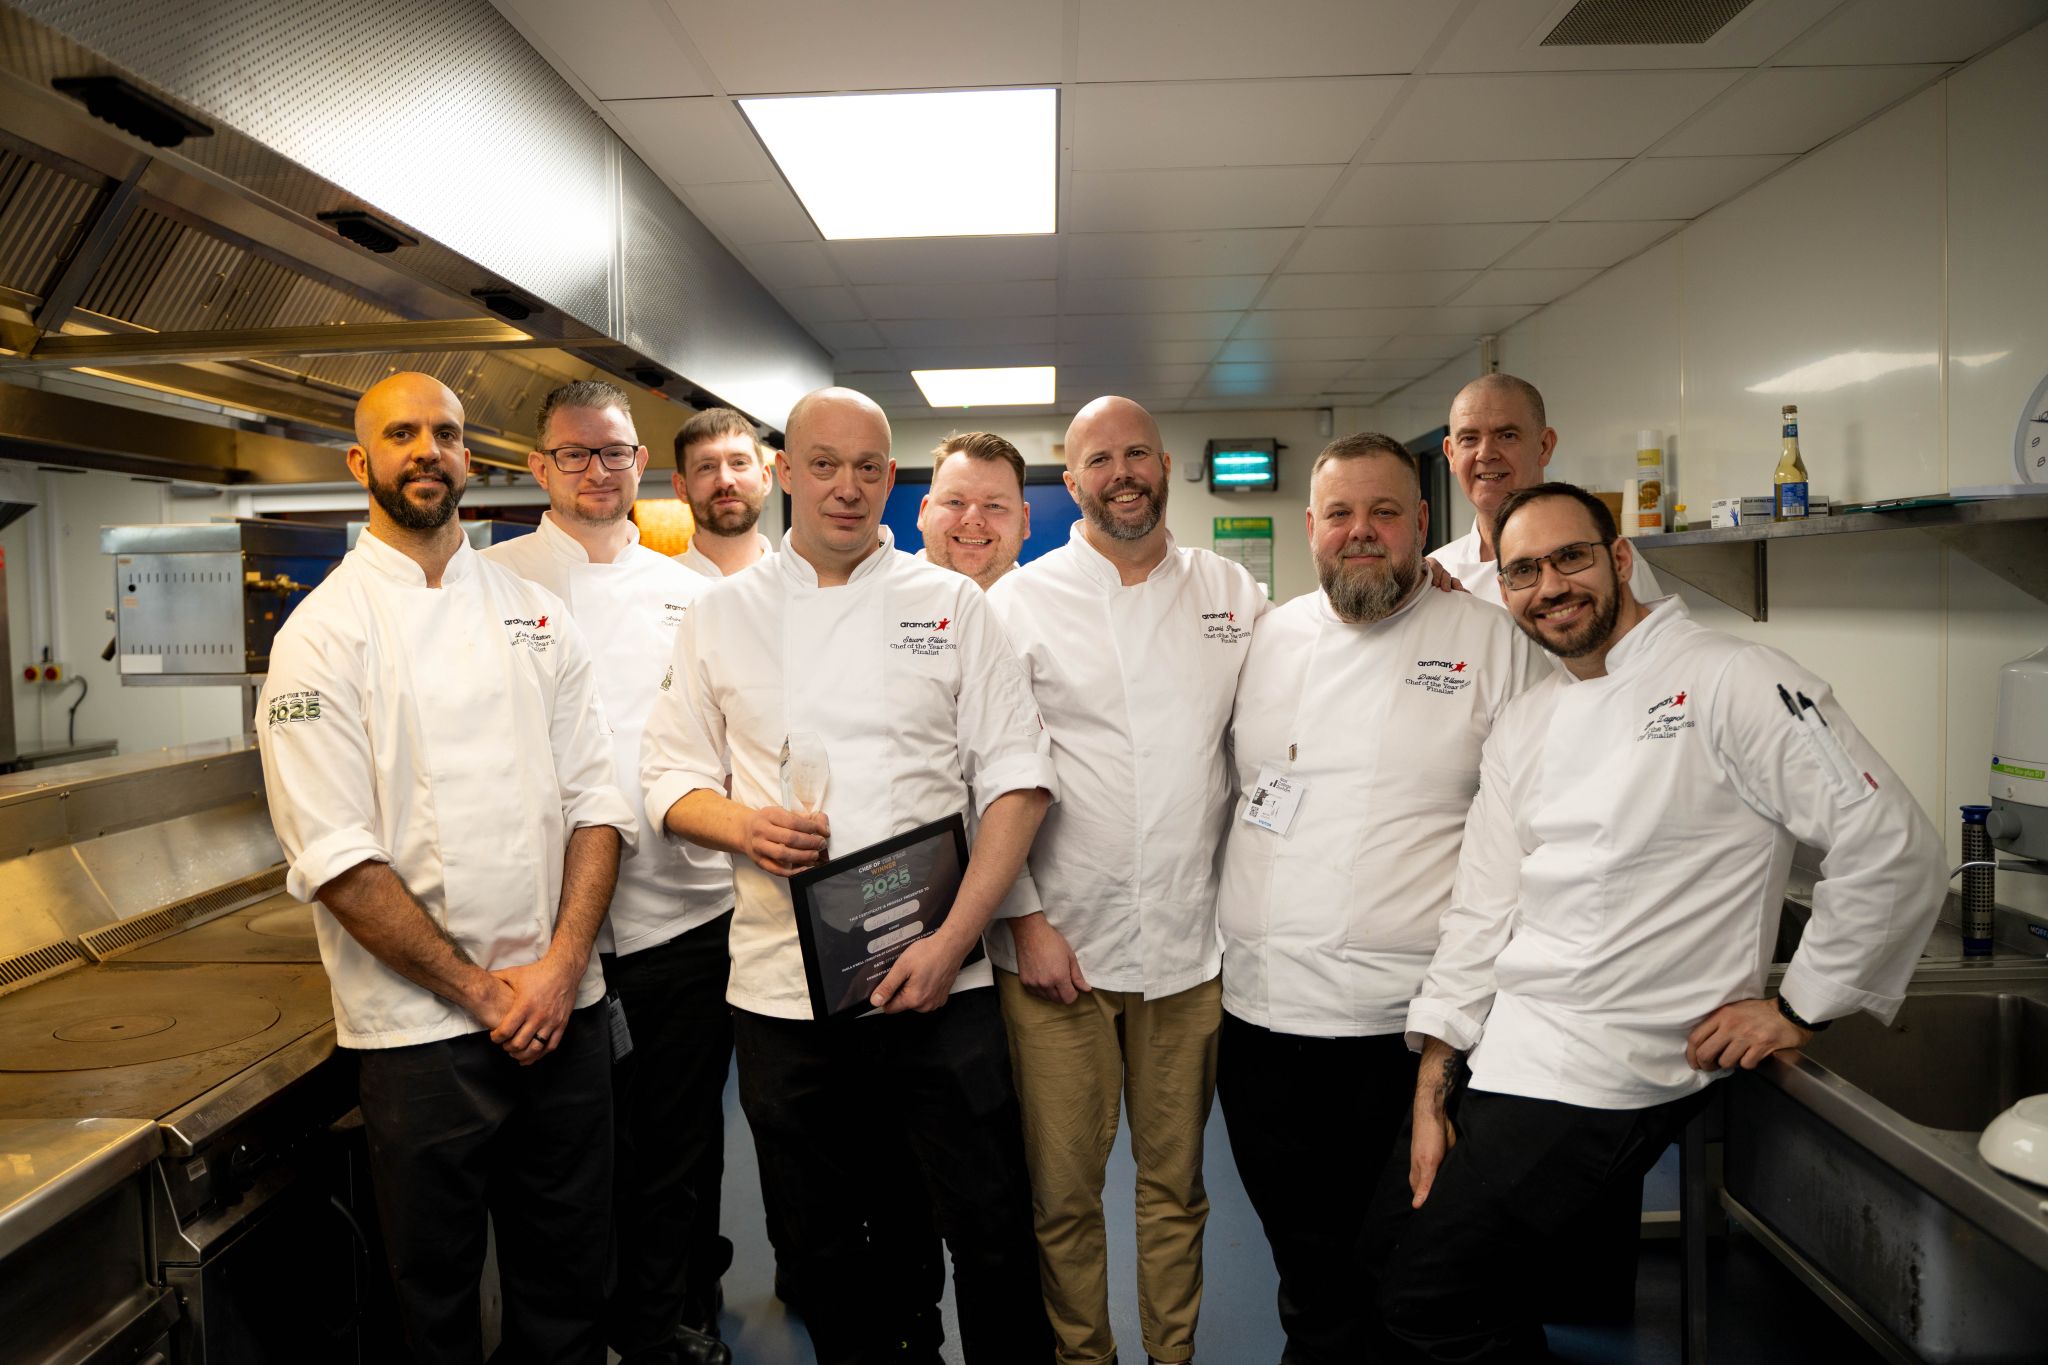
856 914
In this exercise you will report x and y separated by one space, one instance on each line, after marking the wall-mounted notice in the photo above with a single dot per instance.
1249 541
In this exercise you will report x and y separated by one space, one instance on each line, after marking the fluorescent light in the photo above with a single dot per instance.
950 163
1011 387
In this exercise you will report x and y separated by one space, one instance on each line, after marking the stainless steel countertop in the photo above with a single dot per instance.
51 1168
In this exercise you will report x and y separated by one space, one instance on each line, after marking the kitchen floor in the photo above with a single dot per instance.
1758 1313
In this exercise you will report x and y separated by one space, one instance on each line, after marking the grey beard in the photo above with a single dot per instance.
1098 513
1362 599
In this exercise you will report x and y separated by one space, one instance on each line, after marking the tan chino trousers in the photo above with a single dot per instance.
1072 1064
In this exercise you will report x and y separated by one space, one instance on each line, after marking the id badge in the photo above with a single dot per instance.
622 1037
1275 800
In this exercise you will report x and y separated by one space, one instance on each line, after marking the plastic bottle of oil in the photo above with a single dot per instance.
1788 481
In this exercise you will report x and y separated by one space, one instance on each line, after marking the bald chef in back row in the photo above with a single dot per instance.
899 673
440 775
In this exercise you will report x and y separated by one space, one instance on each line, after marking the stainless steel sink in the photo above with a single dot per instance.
1858 1163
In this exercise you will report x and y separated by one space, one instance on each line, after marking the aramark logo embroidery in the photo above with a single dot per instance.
925 637
1222 627
530 631
1445 677
1666 718
672 613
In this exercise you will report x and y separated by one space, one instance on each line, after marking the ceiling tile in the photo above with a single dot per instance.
980 357
1795 109
791 265
1137 351
1301 374
692 142
1877 32
947 260
1420 347
1388 371
1450 246
1465 191
1457 321
845 336
760 211
618 49
1179 294
1328 322
1392 290
1674 187
1275 350
1226 123
868 358
1106 327
1506 35
1523 286
912 332
1568 245
1240 197
1155 40
1000 298
1227 251
1559 115
831 303
790 46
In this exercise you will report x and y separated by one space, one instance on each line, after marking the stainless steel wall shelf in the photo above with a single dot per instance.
2008 536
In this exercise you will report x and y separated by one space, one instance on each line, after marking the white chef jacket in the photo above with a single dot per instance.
1481 577
455 733
698 562
628 611
903 672
1624 869
1136 685
1329 928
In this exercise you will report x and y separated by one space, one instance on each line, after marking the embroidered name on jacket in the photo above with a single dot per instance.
530 631
925 637
1667 719
1445 677
1222 626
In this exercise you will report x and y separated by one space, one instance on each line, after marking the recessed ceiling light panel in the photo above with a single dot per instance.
945 163
1012 387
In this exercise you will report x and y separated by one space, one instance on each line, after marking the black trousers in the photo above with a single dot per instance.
845 1113
668 1098
1455 1280
1311 1121
457 1129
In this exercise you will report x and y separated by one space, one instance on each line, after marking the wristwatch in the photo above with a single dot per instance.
1786 1009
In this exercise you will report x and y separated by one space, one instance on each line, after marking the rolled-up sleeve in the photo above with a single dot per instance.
683 747
1003 743
318 772
580 735
1882 875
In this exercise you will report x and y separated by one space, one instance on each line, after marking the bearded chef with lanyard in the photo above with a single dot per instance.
1617 897
1359 719
440 776
901 674
663 944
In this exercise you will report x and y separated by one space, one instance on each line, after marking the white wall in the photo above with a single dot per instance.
63 533
1190 507
1894 286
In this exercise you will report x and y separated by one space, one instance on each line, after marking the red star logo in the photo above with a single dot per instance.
1231 614
1678 700
541 624
1460 668
944 621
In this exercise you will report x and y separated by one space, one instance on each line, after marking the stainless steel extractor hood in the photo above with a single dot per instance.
308 233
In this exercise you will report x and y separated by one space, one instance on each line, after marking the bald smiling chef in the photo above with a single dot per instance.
440 776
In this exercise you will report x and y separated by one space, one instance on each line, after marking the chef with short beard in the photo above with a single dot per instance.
1360 717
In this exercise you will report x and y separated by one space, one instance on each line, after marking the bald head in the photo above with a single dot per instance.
1105 419
406 390
835 407
1510 388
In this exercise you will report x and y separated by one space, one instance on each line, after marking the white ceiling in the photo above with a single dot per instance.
1293 203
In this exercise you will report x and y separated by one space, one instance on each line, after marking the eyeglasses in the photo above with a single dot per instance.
1576 557
576 459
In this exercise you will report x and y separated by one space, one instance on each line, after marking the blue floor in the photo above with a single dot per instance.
1758 1315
